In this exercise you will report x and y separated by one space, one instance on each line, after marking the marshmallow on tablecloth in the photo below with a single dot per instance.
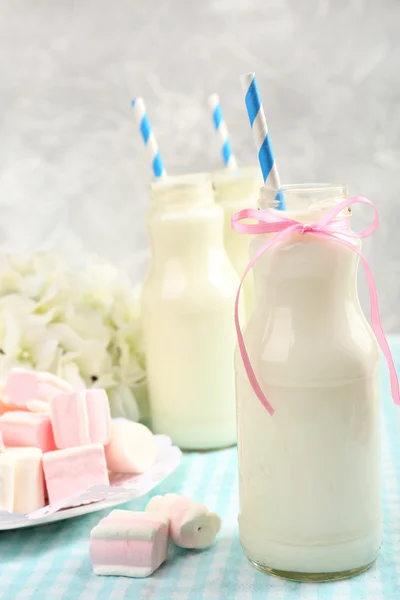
133 544
80 418
31 389
132 447
73 470
192 525
20 428
22 487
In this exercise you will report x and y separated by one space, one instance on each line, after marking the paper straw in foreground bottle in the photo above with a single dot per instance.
149 139
260 133
222 131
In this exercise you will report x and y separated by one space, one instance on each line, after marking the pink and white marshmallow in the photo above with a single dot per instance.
192 525
21 428
2 446
128 543
73 470
80 418
33 390
132 447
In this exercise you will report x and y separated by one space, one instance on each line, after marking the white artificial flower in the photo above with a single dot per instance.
128 343
17 304
83 326
88 323
11 282
122 403
33 345
70 373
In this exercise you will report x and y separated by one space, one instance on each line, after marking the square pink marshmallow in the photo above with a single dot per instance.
132 544
20 428
24 386
81 418
73 470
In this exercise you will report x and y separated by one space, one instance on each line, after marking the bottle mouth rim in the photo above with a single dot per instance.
233 186
196 186
224 175
340 188
307 193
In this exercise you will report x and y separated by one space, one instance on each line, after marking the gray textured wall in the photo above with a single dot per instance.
73 172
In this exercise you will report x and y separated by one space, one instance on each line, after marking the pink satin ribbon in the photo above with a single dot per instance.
327 227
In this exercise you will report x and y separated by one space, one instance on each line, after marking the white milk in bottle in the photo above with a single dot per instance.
234 191
187 310
309 476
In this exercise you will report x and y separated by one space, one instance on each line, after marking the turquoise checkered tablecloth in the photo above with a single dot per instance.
52 562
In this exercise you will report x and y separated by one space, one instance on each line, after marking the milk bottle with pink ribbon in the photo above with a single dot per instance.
307 389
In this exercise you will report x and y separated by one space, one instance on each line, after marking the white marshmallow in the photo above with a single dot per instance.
132 448
192 525
28 478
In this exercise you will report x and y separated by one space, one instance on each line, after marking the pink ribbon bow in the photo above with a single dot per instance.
327 227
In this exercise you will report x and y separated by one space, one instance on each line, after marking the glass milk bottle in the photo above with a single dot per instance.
309 476
234 191
187 310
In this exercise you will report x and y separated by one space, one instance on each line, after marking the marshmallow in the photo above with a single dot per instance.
21 480
80 418
5 406
20 428
192 525
73 470
24 386
2 446
132 448
133 544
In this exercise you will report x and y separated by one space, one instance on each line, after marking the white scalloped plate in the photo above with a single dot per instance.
122 489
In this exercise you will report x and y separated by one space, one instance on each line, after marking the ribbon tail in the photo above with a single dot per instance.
378 330
245 357
242 346
375 316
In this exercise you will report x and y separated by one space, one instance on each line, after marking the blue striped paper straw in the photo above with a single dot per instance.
260 133
222 131
148 136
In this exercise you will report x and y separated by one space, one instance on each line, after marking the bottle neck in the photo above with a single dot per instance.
309 278
306 275
183 219
172 195
188 234
239 189
302 198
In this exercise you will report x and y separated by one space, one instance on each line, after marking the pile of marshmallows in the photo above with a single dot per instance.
135 544
56 442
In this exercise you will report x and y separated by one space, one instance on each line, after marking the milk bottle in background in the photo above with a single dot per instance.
233 191
187 310
309 476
